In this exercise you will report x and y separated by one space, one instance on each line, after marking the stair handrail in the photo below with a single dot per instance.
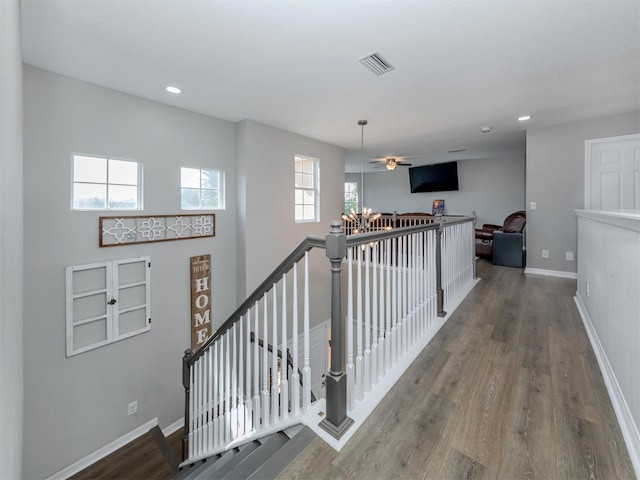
309 242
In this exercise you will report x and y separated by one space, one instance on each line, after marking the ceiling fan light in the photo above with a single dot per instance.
391 166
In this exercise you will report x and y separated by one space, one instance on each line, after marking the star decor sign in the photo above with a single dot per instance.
116 231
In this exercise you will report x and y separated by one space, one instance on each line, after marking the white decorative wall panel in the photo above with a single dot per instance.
116 231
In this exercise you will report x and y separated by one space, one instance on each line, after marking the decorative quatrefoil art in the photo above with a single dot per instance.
116 231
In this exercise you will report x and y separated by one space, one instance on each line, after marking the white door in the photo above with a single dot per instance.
613 173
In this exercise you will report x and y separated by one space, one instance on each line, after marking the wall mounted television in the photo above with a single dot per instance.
440 177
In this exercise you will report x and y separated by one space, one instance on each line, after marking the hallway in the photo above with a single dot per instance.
509 388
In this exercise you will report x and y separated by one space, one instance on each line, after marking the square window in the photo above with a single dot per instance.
106 184
201 189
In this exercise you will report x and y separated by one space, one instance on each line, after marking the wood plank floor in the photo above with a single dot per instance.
509 388
142 459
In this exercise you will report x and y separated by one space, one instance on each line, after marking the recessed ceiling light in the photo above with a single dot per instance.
524 118
486 129
174 90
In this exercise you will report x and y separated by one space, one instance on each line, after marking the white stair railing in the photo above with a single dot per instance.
399 308
244 382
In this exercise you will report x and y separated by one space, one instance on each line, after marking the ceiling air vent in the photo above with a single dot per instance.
376 63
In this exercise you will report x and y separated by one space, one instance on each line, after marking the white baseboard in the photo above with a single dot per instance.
174 427
551 273
623 414
103 452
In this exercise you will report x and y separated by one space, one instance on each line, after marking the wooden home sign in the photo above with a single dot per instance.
201 326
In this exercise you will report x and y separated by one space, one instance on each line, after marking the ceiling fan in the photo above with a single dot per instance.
389 163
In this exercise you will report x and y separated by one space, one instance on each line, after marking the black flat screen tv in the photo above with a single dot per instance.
440 177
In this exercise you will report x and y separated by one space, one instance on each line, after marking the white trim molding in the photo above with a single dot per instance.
99 454
623 414
551 273
174 427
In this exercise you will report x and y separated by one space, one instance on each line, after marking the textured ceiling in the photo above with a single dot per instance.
460 65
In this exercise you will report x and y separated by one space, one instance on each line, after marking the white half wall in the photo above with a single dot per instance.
493 188
75 406
11 250
608 299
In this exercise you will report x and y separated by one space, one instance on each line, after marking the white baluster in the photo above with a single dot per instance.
394 304
216 405
247 378
256 368
306 369
240 399
210 382
191 415
221 379
373 364
199 403
194 410
266 414
381 312
350 367
359 354
284 366
295 378
234 382
274 359
405 292
367 322
227 388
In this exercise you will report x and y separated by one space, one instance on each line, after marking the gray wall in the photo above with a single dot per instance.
266 226
11 250
74 406
494 188
555 181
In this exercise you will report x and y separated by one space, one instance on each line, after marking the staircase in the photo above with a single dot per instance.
262 458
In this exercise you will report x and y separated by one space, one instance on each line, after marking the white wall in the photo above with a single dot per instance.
609 264
555 181
494 188
266 228
11 393
74 406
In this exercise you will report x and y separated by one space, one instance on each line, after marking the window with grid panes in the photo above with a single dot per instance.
101 183
201 189
307 189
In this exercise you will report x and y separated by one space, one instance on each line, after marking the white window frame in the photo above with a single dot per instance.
351 190
140 195
112 311
315 189
221 190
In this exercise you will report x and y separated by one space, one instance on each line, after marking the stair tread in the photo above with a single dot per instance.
277 462
260 455
219 471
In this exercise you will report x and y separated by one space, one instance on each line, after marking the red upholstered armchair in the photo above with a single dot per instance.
514 223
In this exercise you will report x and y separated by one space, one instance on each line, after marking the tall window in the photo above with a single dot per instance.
307 189
201 189
106 184
350 196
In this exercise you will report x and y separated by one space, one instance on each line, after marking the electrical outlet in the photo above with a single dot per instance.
545 253
133 407
569 256
533 205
